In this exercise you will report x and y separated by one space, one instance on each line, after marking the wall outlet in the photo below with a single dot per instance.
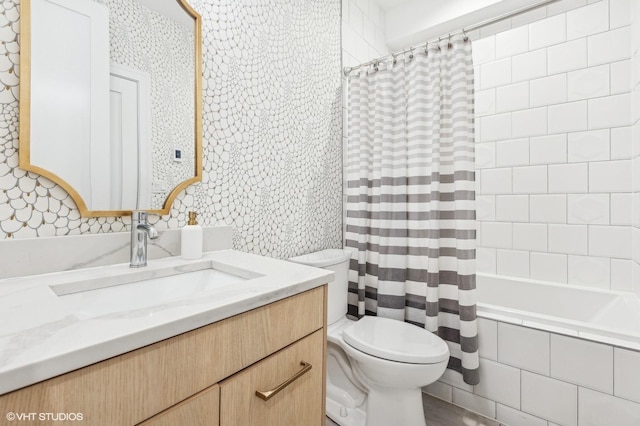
159 186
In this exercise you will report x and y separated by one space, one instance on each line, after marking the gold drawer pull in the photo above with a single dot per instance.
270 393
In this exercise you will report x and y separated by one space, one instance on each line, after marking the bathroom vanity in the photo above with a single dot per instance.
211 356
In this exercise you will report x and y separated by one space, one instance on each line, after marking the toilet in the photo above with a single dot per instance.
376 366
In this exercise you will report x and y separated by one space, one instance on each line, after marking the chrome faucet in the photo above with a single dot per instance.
140 230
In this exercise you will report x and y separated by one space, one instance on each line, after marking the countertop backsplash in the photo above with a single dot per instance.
30 256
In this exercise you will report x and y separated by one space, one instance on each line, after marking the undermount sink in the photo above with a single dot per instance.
147 293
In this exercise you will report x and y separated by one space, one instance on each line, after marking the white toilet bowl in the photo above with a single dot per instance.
376 366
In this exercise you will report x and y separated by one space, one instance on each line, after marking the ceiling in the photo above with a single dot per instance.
171 10
390 4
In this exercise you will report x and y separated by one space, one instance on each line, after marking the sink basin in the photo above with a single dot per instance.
144 294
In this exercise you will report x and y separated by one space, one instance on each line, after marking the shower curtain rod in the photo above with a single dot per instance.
463 30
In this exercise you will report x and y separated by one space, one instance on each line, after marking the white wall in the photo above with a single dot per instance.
534 378
363 34
417 21
635 83
553 131
553 151
363 39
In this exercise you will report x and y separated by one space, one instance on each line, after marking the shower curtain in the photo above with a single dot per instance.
410 195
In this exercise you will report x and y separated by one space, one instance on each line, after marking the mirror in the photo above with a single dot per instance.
110 100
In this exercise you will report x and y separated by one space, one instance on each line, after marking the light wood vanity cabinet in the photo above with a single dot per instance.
202 408
299 403
208 376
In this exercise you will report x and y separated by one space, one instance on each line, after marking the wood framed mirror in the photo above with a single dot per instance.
111 101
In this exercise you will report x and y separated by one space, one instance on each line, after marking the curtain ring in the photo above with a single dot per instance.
466 37
449 45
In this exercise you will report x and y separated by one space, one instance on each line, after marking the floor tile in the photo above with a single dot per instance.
442 413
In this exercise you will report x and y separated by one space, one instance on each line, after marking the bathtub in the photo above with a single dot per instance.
605 316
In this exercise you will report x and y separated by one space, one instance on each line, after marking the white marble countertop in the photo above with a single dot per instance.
42 337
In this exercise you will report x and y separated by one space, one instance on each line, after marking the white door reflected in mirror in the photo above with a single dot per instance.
129 175
69 103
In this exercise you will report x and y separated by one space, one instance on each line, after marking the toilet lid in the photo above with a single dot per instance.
396 341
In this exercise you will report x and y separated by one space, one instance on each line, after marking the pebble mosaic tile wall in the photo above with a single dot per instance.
146 40
272 133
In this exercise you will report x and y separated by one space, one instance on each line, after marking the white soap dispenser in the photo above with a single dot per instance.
191 244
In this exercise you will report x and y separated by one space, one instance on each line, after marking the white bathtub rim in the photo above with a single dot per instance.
572 328
536 321
557 284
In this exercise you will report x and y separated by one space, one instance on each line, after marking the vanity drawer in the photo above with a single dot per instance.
132 387
298 369
201 409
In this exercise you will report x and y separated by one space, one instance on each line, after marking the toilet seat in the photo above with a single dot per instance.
396 341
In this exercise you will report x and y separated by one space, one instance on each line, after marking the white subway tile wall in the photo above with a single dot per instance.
621 274
588 146
489 343
635 135
608 47
549 90
596 408
527 66
547 32
588 83
363 32
363 39
512 42
536 378
566 211
530 236
621 138
513 263
548 267
548 208
573 360
567 56
548 149
499 383
626 373
588 20
509 416
523 348
512 208
474 402
568 239
588 209
589 271
557 144
549 398
513 97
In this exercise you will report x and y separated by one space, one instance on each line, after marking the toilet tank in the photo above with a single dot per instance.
336 260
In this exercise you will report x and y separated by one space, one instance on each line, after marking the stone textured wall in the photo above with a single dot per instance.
272 133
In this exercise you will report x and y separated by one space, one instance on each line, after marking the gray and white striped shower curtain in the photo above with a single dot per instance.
410 208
